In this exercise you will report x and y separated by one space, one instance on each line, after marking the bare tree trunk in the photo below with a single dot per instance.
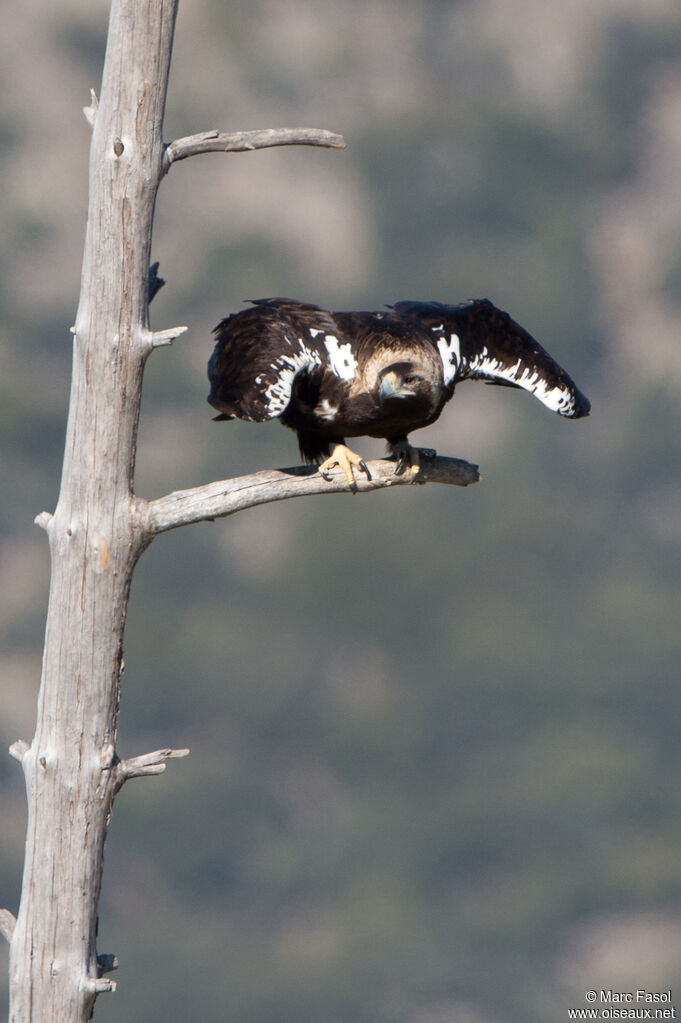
94 539
100 528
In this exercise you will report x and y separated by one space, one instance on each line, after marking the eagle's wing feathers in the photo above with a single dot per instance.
260 352
477 341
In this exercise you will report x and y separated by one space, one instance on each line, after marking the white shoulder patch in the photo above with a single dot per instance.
450 354
342 361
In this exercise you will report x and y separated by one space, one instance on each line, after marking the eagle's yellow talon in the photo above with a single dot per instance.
345 459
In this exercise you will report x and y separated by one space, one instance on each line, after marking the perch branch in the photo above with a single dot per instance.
7 924
245 141
224 497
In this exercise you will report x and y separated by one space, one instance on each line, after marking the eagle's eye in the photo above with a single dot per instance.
413 378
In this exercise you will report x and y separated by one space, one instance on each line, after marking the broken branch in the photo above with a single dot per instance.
7 924
144 765
20 748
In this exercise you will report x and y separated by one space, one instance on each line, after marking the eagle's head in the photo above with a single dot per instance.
408 388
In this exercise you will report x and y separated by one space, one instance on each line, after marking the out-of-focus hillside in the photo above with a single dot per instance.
435 758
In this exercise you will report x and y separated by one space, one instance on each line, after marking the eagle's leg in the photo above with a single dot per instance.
405 455
346 459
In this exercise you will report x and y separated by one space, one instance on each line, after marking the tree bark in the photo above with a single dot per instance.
94 537
99 527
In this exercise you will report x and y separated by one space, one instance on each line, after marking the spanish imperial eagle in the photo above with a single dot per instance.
329 376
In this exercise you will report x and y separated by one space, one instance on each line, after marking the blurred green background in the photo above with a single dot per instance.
435 733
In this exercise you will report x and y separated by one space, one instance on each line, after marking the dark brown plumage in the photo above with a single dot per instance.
329 376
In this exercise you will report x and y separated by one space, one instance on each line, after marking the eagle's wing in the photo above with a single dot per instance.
477 341
260 351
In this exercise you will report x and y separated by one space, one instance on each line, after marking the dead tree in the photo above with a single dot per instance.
100 526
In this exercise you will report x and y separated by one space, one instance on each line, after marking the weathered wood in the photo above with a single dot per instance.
94 534
225 497
145 765
7 924
246 141
20 748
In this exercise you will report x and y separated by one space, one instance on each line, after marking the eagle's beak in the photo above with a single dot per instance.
392 387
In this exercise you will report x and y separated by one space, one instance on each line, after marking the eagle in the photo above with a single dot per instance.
330 376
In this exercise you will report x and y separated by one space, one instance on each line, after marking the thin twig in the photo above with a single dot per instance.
245 141
224 497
